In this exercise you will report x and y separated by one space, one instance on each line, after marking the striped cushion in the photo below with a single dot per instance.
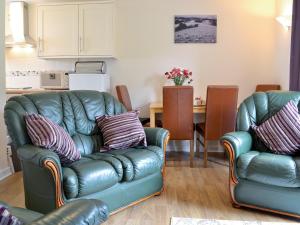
281 132
47 134
122 131
6 218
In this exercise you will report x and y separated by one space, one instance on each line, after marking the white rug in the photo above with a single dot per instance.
190 221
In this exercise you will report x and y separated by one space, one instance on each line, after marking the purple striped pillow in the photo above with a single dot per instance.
6 218
47 134
281 132
122 131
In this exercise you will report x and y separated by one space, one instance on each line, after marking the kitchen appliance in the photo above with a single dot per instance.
54 80
18 24
90 75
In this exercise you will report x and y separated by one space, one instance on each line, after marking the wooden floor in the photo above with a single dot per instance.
189 192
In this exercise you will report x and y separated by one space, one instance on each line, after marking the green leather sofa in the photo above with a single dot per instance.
84 211
119 177
258 178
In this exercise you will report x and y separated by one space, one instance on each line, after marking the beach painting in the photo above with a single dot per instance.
196 29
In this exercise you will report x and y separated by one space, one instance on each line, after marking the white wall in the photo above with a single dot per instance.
244 55
4 169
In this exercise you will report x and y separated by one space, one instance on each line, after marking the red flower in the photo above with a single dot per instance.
185 72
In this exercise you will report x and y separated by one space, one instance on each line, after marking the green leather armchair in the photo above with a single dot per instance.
259 179
89 212
119 177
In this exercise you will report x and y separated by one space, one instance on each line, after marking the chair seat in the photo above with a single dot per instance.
268 168
200 127
99 171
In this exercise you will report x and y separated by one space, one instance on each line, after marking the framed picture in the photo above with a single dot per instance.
196 29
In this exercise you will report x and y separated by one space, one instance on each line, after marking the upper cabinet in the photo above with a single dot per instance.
96 29
76 30
58 31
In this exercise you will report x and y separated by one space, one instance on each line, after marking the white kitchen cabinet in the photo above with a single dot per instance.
96 29
58 30
76 30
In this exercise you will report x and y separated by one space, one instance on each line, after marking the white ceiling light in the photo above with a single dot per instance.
285 21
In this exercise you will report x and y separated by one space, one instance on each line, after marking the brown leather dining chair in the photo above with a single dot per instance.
124 98
267 87
220 115
178 114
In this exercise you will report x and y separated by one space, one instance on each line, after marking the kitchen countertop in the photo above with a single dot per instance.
21 91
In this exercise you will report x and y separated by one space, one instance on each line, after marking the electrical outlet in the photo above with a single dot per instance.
8 151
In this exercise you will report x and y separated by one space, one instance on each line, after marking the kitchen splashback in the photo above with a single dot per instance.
25 79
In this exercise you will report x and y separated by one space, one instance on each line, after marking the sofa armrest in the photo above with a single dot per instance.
157 136
83 211
38 156
239 142
42 173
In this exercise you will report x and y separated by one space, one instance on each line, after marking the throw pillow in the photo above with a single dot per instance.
122 131
281 132
47 134
6 218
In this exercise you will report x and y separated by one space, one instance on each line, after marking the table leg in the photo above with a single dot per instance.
152 118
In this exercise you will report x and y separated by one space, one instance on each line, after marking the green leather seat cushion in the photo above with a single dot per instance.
99 171
139 162
88 176
268 168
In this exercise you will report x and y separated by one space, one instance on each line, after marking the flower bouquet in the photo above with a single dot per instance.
179 76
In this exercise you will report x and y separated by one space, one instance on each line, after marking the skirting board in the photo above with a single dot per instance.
178 146
5 173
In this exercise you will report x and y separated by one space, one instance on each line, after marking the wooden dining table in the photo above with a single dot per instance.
157 107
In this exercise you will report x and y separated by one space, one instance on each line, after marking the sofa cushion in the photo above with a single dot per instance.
89 175
6 218
99 171
281 132
268 168
122 131
139 162
45 133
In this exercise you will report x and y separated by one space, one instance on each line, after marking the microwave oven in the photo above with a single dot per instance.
54 80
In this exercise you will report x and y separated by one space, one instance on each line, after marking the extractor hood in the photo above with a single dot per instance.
18 23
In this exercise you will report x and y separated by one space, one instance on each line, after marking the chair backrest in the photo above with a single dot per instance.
267 87
221 110
178 112
123 96
75 111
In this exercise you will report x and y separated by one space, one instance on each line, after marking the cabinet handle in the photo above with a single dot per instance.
80 44
39 45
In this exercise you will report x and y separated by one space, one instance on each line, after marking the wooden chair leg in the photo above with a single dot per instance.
197 144
191 153
205 153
